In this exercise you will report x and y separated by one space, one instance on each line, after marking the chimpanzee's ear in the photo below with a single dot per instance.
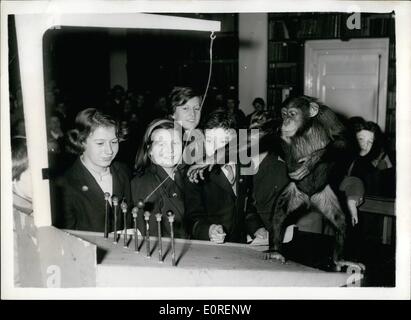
313 109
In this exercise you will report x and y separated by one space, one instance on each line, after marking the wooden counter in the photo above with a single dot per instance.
201 263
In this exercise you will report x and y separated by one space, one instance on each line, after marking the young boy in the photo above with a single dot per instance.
215 207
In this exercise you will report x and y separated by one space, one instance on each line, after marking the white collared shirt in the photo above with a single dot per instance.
104 180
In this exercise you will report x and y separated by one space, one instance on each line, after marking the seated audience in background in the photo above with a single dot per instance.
232 106
55 146
130 134
215 207
54 125
259 106
115 101
160 109
94 173
140 107
158 182
371 163
61 112
22 204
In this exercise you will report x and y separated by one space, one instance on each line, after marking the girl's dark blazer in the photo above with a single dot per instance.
83 205
169 196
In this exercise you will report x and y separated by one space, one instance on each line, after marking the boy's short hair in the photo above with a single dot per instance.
20 161
221 119
259 100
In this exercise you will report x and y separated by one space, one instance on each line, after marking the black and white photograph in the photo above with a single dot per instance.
213 146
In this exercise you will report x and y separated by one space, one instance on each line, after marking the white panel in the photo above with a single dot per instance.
350 77
252 59
351 102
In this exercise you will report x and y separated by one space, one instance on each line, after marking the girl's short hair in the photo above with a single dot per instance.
86 122
19 157
142 156
179 96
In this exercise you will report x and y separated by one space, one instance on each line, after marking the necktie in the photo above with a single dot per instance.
230 174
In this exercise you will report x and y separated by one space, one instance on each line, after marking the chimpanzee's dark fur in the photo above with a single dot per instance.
322 141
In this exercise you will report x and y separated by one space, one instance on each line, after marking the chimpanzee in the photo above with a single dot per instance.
312 140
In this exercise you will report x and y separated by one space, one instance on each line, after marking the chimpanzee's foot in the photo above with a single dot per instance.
349 266
274 255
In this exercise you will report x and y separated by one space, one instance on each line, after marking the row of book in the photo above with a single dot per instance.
381 27
276 96
278 30
282 75
320 27
283 51
327 26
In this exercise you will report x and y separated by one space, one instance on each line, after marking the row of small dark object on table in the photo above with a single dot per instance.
135 211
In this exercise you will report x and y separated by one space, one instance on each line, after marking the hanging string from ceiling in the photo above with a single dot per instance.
210 71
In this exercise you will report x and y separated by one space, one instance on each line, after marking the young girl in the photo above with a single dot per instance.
158 181
94 173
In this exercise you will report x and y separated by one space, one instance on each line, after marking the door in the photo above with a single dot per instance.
349 76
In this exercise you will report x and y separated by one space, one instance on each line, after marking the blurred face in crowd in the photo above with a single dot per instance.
127 108
217 138
101 147
188 114
231 104
118 93
166 147
61 107
140 101
162 103
258 106
55 124
50 98
365 140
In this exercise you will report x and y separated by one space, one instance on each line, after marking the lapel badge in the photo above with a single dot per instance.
174 195
84 188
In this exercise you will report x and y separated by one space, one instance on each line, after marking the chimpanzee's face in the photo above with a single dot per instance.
293 120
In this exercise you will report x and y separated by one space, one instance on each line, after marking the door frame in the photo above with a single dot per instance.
379 45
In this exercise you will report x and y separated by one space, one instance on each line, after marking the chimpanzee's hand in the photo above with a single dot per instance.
196 171
307 165
300 173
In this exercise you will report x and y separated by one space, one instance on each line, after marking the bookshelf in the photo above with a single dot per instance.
287 33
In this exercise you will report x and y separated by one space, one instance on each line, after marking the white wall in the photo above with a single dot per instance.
252 59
